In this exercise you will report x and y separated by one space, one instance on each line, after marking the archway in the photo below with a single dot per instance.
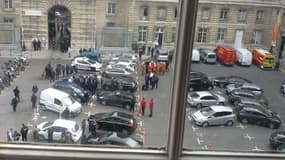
59 23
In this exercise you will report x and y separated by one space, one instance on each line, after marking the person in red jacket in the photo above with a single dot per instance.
143 105
151 105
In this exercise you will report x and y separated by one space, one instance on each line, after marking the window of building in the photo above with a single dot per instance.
110 24
8 20
161 13
8 4
111 8
256 37
175 12
143 13
242 15
142 33
259 16
206 13
224 14
173 35
202 35
221 35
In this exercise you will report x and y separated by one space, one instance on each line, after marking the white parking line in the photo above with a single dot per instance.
241 126
257 149
248 137
199 141
194 129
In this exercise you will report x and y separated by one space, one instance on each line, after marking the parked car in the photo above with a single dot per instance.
115 121
282 88
214 115
58 101
59 126
195 56
277 140
116 71
124 65
161 55
199 81
84 63
207 56
116 98
204 98
237 96
73 89
244 56
225 80
258 116
246 87
117 139
120 83
251 104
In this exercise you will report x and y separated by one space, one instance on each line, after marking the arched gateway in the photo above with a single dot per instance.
59 24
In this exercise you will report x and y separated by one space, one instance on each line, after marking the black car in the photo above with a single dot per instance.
120 83
277 140
224 81
116 98
115 121
237 96
117 139
73 89
258 116
199 82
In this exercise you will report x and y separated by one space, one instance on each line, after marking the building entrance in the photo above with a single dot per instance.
59 25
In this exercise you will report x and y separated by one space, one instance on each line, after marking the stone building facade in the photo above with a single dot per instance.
117 24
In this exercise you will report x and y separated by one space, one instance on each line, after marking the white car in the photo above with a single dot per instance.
205 98
117 71
123 65
84 63
58 127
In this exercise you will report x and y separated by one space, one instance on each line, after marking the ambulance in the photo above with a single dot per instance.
263 58
226 55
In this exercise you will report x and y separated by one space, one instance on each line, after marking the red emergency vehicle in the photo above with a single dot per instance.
226 54
263 58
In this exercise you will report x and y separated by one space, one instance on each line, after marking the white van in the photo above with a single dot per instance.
195 55
244 56
207 56
162 55
57 101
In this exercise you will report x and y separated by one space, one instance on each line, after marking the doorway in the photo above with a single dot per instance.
59 24
238 39
159 36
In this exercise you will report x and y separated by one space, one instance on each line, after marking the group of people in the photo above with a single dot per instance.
143 105
37 44
88 82
14 135
154 67
60 70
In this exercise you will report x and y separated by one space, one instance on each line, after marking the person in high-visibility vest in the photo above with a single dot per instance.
154 68
149 68
142 68
163 68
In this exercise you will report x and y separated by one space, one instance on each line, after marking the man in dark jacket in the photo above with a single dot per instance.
24 132
34 100
17 93
35 89
14 103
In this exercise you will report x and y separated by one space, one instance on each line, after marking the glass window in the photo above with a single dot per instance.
256 37
202 35
206 13
259 16
111 8
173 35
242 15
224 14
161 13
8 3
221 35
143 13
8 20
142 34
175 12
58 102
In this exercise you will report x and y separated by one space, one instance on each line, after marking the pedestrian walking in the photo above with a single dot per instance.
17 93
35 89
14 103
34 101
151 105
24 132
63 70
143 105
156 79
10 135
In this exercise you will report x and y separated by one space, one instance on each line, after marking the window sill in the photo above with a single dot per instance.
110 15
8 9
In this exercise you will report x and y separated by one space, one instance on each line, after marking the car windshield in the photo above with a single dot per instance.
91 61
269 60
68 101
207 111
163 54
49 123
211 56
194 95
75 128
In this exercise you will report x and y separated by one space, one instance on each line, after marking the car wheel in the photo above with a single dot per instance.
41 137
229 123
282 90
244 121
221 103
271 125
199 106
205 124
104 102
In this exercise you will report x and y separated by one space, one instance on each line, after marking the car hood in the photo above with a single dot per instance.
198 116
221 98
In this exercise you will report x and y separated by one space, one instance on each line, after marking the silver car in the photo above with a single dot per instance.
246 86
205 98
214 115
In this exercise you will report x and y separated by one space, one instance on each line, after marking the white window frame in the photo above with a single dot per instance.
205 15
259 16
221 35
161 13
8 20
8 4
224 14
202 35
142 12
256 37
142 37
242 13
111 10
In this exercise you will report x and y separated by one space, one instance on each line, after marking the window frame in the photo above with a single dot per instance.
142 33
224 14
202 35
142 15
260 16
255 38
221 35
164 13
111 8
242 14
203 17
9 4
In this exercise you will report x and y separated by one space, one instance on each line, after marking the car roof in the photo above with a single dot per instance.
81 58
204 93
55 92
64 123
251 85
217 108
240 91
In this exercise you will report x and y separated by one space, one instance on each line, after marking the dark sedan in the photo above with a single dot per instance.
199 82
224 81
277 139
237 96
117 139
120 83
73 89
258 116
116 98
115 121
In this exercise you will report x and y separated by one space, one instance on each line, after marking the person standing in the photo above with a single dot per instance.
17 93
63 70
24 132
14 103
132 107
10 135
151 105
34 100
35 89
143 105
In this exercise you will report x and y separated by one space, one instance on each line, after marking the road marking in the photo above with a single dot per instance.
257 149
248 137
194 129
44 117
199 141
205 147
140 123
241 126
189 117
